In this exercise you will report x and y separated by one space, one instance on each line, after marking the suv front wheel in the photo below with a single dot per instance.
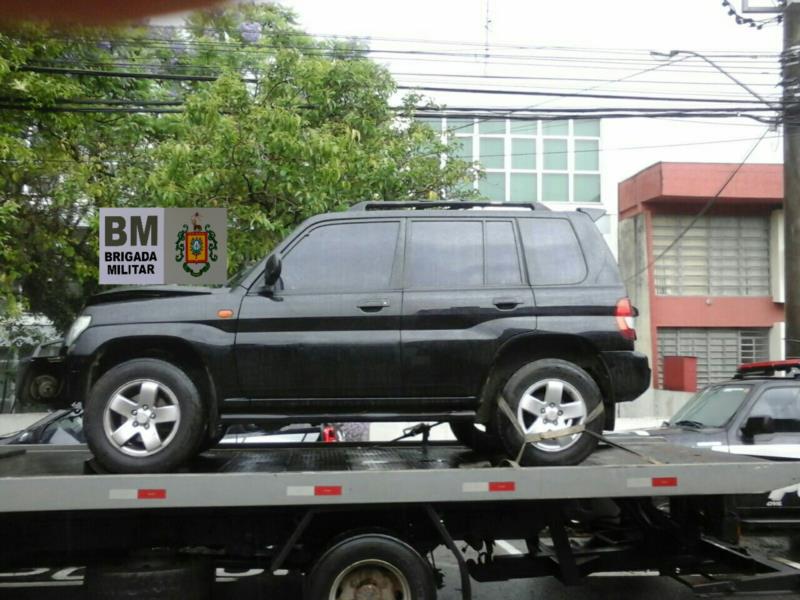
550 395
144 416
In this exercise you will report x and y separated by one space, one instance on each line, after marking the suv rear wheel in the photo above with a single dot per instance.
547 396
144 416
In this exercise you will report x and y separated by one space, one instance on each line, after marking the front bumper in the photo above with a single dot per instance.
629 374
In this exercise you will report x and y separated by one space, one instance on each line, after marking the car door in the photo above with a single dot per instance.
332 329
464 293
780 402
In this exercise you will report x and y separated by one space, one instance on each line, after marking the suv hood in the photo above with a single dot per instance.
142 292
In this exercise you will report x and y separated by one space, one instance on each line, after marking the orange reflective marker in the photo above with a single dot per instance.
224 313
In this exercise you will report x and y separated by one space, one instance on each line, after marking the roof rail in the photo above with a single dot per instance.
452 205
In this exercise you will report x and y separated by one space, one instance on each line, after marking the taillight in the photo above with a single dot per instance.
329 434
624 314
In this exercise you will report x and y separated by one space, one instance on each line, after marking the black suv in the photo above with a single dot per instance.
389 311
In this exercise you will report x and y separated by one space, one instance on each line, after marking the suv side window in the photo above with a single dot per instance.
552 251
445 254
782 404
502 261
348 257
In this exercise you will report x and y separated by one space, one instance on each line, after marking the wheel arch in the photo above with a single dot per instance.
173 350
523 349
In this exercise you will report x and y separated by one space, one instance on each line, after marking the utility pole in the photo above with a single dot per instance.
791 174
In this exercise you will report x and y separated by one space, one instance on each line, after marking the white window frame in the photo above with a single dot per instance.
539 171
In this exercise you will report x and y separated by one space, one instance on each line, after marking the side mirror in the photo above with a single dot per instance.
758 426
272 272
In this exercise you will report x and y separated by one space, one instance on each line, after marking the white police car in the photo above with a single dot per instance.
757 413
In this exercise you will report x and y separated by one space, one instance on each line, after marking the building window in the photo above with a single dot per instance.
528 161
719 351
718 256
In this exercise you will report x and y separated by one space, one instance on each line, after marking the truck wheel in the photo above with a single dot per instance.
481 441
550 395
371 566
144 416
151 579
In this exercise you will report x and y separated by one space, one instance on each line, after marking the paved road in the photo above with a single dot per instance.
65 584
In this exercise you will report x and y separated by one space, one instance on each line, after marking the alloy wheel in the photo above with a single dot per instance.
141 417
551 405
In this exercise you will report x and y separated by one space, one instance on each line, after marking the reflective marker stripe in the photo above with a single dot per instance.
651 482
665 482
488 486
143 494
314 490
155 494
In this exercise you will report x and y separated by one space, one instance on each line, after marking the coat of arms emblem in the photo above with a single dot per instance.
196 247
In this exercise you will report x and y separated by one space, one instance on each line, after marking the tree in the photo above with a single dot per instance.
250 114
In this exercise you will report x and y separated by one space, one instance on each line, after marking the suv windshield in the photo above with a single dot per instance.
711 407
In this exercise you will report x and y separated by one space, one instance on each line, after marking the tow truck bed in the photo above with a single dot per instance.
283 506
372 474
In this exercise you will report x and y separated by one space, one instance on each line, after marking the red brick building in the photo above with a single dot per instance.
717 292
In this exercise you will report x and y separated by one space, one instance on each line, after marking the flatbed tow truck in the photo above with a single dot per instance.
361 520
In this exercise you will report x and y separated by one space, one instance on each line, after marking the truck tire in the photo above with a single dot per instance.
379 566
144 416
549 395
480 441
151 579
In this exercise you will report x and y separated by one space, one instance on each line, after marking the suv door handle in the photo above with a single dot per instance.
506 302
373 305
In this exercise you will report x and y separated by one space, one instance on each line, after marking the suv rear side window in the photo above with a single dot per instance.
502 262
552 251
445 254
462 254
347 257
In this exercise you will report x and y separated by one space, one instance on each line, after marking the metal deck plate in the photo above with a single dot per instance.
56 479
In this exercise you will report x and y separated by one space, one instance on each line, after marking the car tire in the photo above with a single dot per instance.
166 428
478 440
207 442
151 578
548 395
371 560
610 418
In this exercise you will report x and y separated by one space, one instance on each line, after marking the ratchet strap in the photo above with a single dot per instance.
532 438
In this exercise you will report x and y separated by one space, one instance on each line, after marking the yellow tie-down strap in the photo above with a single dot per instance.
532 438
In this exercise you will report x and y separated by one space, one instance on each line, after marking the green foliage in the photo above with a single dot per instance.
291 127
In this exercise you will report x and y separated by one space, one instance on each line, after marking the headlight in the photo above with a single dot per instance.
78 327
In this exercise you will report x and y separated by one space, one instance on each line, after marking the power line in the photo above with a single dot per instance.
490 91
233 46
506 92
185 70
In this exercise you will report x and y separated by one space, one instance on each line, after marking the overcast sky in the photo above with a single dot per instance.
650 24
558 29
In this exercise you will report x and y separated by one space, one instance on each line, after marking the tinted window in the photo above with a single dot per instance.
445 254
552 251
342 257
502 262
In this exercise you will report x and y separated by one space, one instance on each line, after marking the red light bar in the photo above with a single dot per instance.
771 365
